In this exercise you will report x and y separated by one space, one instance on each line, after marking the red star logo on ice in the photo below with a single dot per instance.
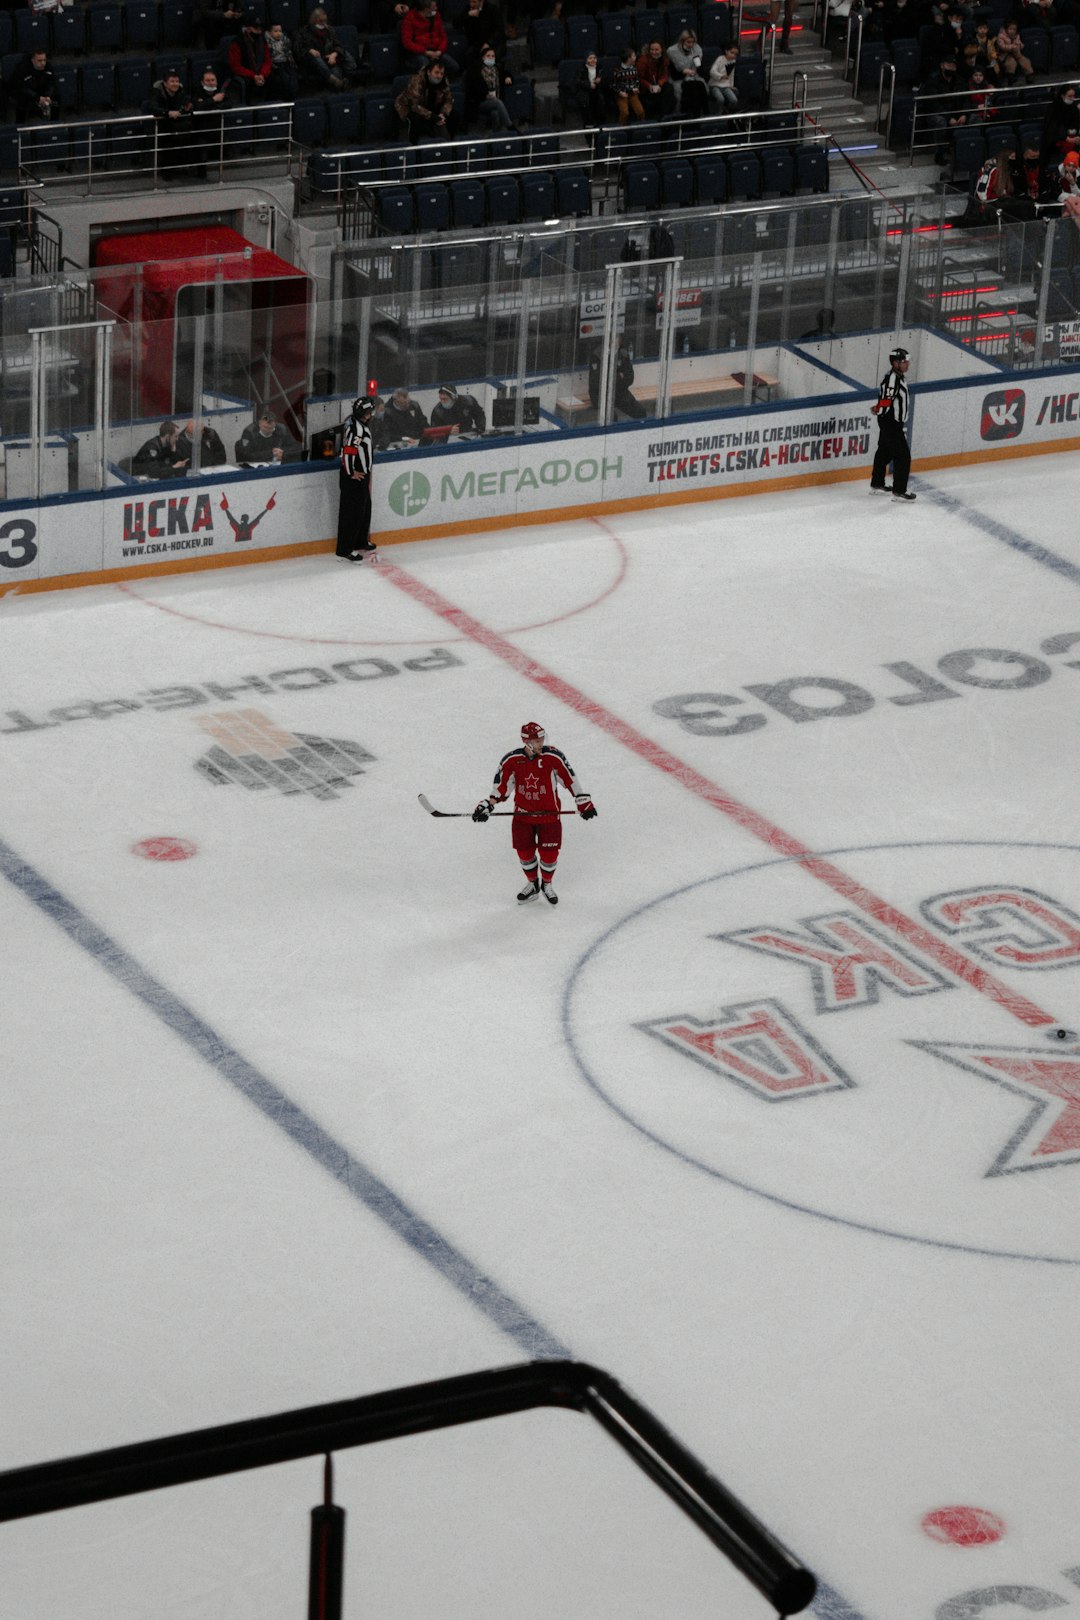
1050 1130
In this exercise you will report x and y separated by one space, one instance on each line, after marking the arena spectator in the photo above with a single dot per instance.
264 440
323 61
944 109
722 92
283 60
32 88
461 413
423 37
425 107
592 92
657 94
686 52
481 24
981 52
1010 51
694 97
211 448
211 20
484 83
160 456
1061 129
171 109
626 87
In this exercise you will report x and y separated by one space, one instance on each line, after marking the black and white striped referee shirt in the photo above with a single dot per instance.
356 447
893 397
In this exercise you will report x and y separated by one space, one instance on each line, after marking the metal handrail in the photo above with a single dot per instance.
888 72
317 1431
855 22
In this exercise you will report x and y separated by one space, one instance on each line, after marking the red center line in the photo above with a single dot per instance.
774 837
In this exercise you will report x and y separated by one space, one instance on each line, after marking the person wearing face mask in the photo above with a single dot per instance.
425 107
424 39
1061 131
323 61
484 82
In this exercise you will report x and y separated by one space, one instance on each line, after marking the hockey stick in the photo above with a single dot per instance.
430 808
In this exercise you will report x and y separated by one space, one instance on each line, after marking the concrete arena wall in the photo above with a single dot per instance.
292 511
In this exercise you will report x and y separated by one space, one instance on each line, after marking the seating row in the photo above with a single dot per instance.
330 171
610 32
739 176
1049 50
109 27
973 144
749 76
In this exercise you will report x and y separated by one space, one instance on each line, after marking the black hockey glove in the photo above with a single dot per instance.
585 807
482 811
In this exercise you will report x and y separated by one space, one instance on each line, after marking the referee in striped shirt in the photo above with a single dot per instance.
891 411
354 484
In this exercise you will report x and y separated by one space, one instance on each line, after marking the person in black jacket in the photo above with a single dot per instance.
460 412
211 449
32 88
622 399
160 457
263 440
400 419
891 411
171 107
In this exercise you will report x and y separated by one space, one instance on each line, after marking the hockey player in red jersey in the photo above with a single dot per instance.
533 774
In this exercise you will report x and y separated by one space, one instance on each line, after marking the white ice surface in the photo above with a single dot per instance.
171 1258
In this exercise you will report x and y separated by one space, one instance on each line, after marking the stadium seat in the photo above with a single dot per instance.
431 203
547 38
676 182
573 194
906 61
715 24
379 118
777 172
467 203
310 120
350 40
237 128
503 200
812 168
537 196
616 32
1037 48
271 129
67 86
134 81
289 13
1064 49
383 55
97 87
648 25
31 31
69 31
356 14
750 81
518 100
9 148
744 175
106 26
142 25
342 114
396 210
871 60
968 148
641 187
541 148
173 60
711 177
7 33
677 19
175 23
569 73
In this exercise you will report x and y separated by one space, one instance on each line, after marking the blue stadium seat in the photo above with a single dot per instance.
467 203
547 38
67 86
309 120
106 26
969 147
573 194
641 187
648 25
431 202
541 148
174 60
7 255
237 126
97 87
616 32
710 173
715 24
676 182
288 13
750 81
199 61
175 22
324 172
9 148
812 168
677 19
906 58
31 32
582 36
380 119
45 148
503 200
7 33
537 196
1037 48
343 117
871 60
396 210
356 13
744 175
384 57
142 25
777 171
431 160
519 101
134 81
1064 49
271 129
69 31
350 39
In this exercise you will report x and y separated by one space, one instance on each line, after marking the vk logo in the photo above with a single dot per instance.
1003 414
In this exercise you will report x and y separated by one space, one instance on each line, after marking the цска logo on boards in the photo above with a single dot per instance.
1003 414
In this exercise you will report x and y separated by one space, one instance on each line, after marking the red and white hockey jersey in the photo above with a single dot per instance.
535 782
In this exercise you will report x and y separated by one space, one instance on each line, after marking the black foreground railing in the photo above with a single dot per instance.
312 1431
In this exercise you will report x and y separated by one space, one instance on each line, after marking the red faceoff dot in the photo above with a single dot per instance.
164 849
963 1526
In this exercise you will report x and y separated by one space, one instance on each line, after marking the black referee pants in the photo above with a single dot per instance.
354 513
892 446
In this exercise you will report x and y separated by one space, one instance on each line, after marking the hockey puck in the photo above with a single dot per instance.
1063 1035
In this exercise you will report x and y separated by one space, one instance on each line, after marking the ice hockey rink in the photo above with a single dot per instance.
769 1117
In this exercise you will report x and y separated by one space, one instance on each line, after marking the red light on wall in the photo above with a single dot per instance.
372 387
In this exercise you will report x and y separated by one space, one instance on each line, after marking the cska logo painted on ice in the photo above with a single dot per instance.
901 1064
1003 414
